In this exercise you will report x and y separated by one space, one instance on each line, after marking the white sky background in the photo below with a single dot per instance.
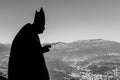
66 20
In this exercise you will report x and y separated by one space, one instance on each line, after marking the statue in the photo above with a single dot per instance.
26 61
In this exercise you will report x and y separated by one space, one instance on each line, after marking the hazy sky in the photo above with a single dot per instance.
66 20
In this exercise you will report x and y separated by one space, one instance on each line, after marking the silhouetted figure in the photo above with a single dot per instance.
26 60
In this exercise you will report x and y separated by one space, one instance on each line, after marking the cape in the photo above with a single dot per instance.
26 60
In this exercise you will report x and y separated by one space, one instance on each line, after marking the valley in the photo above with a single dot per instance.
80 60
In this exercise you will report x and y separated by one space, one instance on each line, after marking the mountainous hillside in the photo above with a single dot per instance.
96 59
4 55
83 48
84 59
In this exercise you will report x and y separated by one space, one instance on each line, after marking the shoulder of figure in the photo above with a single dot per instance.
24 29
28 24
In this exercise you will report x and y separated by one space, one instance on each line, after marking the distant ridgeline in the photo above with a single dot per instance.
76 59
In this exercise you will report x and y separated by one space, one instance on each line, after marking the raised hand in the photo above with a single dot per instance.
46 48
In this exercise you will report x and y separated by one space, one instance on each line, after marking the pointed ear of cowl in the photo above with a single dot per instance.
39 17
